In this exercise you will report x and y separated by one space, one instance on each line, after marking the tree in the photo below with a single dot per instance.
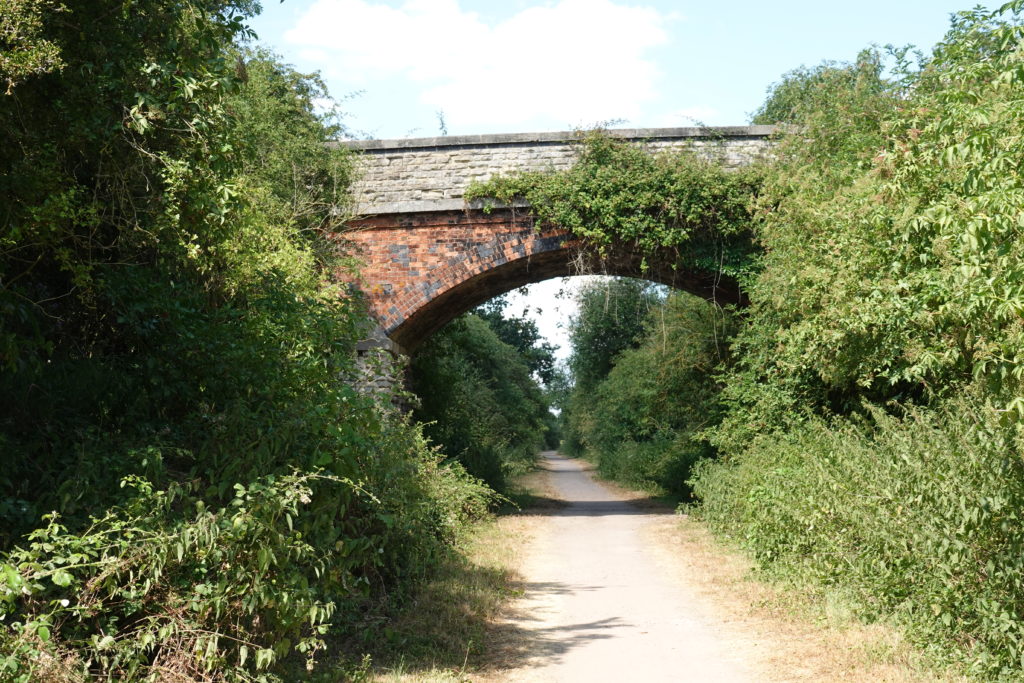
610 319
520 333
478 400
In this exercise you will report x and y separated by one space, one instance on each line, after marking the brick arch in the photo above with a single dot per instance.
429 257
421 270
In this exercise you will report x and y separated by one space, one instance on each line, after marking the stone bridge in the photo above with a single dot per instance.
429 256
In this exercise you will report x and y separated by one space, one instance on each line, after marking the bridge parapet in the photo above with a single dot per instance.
432 174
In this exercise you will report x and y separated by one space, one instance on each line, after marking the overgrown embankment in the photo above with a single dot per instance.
216 501
865 421
873 438
480 392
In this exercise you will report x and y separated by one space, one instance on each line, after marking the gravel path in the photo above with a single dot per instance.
600 605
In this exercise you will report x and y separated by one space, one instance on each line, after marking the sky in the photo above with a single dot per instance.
401 68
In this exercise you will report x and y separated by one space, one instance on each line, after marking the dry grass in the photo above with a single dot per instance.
446 633
453 630
795 635
533 494
463 626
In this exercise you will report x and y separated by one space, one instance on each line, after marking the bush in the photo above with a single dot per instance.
921 516
478 400
643 421
216 499
872 436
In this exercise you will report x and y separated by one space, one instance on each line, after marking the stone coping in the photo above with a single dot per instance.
429 205
560 137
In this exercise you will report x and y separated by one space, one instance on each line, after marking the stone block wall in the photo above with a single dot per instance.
429 174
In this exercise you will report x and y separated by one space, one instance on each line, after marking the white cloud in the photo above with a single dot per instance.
315 55
574 61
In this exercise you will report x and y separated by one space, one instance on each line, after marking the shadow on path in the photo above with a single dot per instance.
602 508
522 639
448 631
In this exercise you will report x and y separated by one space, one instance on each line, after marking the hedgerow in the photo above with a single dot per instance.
872 440
915 516
189 489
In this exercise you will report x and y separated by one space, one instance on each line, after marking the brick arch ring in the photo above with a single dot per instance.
421 270
429 257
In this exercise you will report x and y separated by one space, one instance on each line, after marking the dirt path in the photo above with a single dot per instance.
599 603
616 591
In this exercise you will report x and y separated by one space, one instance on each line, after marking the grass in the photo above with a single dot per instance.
531 494
458 626
446 626
446 630
442 633
811 634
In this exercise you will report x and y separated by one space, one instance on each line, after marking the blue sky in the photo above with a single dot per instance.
528 65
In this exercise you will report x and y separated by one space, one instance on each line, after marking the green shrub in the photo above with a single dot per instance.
920 516
171 346
871 440
167 585
642 421
478 400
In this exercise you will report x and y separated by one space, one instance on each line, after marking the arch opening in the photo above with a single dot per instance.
466 295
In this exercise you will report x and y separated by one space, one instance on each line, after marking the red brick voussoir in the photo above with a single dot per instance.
421 270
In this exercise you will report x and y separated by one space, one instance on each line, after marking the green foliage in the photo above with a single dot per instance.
167 584
643 421
125 152
478 400
918 516
618 195
892 275
170 592
521 334
610 319
872 436
23 50
956 155
837 108
217 500
282 145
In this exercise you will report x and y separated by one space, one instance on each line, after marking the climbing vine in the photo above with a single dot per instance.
619 194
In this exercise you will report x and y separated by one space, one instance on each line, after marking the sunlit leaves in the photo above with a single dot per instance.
874 436
640 412
25 51
619 193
